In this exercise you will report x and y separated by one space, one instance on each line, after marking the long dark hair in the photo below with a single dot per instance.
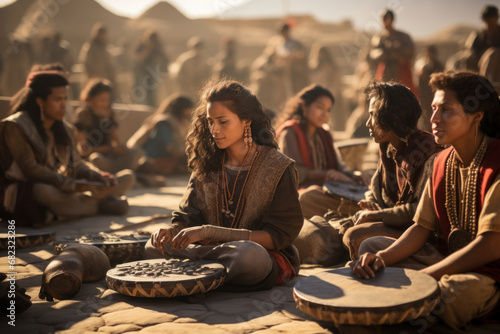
41 87
398 108
475 93
203 154
308 95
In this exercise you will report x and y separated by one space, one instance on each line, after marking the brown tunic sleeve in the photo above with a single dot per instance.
189 213
283 220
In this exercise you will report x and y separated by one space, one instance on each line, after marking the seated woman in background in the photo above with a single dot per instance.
406 156
241 205
459 205
162 137
302 138
96 135
41 176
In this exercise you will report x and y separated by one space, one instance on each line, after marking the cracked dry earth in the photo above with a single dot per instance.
96 309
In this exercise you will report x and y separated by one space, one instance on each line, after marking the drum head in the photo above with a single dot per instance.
166 278
350 191
25 239
395 295
118 247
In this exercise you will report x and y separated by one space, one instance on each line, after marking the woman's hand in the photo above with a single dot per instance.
368 216
161 237
186 237
335 175
369 205
367 265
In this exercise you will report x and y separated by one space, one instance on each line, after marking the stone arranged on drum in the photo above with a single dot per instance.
166 278
395 295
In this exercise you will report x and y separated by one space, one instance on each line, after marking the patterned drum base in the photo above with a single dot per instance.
166 278
25 240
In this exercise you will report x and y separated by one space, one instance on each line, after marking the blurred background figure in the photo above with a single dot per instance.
192 68
487 38
486 47
325 72
225 66
424 67
266 81
394 51
60 51
162 137
18 61
150 66
290 55
95 57
96 135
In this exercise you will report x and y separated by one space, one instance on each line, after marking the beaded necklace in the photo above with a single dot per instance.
236 215
466 220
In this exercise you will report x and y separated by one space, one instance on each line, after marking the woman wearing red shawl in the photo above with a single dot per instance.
459 205
302 138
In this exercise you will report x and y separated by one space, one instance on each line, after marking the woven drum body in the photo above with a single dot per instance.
395 295
28 239
155 279
118 248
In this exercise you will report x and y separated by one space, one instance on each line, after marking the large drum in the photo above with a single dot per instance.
118 247
395 295
349 195
26 238
166 278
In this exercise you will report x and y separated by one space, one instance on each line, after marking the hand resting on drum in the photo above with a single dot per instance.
367 265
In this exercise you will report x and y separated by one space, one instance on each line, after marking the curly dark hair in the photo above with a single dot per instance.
203 154
475 93
398 108
308 95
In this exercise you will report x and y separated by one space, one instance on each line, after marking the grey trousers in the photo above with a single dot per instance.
464 296
247 262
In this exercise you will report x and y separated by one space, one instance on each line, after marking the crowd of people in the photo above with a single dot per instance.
255 199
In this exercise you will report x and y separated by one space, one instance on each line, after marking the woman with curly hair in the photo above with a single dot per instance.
241 205
459 205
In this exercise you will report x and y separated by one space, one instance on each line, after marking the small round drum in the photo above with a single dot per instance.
25 239
349 195
395 295
349 191
118 247
166 278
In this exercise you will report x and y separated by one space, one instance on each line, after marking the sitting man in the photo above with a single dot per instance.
41 171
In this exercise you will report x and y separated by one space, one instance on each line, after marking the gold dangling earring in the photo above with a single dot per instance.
248 135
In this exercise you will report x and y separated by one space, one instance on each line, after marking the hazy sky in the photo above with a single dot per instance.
419 17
